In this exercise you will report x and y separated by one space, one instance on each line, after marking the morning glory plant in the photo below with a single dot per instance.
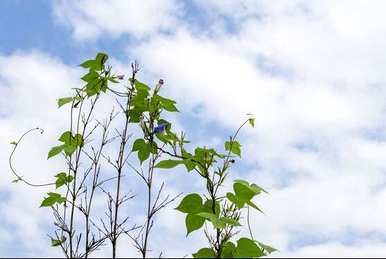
102 152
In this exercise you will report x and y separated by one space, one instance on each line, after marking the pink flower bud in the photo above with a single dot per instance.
161 81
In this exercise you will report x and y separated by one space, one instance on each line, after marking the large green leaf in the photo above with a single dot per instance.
193 222
191 203
247 248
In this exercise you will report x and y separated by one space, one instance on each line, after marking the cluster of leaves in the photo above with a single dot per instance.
223 212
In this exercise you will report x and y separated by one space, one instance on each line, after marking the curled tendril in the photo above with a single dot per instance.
16 144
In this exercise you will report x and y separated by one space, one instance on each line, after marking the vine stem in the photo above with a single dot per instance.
10 162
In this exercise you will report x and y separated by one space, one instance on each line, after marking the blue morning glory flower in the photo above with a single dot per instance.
160 128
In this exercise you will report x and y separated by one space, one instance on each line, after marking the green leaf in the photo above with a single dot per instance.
167 164
233 146
64 100
56 242
208 207
135 115
140 86
189 164
191 203
13 143
138 144
55 150
101 59
253 187
247 248
235 200
252 121
88 64
193 222
250 203
143 149
204 253
144 152
217 223
78 139
267 249
48 202
69 149
227 250
167 104
66 137
52 199
62 179
243 192
92 75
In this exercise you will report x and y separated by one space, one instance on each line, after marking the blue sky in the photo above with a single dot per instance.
312 72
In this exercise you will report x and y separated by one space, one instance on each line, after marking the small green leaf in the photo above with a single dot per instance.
56 242
144 153
62 179
247 248
191 203
204 253
167 164
13 143
63 101
48 202
55 150
52 199
233 146
138 144
101 59
193 222
252 121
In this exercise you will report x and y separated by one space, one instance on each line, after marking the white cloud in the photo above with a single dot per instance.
93 18
313 75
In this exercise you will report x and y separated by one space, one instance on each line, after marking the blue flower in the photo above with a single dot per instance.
160 128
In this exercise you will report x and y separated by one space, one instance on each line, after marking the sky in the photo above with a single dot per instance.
311 72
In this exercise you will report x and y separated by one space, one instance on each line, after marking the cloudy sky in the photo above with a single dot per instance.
312 72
